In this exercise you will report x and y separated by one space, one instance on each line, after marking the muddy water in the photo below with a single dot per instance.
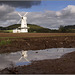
7 59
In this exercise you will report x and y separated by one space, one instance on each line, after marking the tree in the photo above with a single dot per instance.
62 29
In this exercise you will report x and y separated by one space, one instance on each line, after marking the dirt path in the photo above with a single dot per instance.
35 34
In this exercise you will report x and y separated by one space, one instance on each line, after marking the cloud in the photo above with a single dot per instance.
58 13
48 19
4 10
20 4
67 15
70 8
53 19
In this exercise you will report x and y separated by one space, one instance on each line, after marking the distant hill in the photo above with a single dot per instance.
32 28
38 29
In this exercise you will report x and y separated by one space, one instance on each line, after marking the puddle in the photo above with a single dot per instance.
52 53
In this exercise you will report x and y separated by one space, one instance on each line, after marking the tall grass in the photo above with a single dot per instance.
5 42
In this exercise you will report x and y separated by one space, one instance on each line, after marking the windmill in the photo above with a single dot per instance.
23 28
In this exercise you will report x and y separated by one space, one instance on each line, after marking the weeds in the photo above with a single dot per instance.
5 42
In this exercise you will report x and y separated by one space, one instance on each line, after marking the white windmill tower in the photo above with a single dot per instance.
23 28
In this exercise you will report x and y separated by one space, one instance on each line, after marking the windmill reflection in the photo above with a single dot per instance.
24 55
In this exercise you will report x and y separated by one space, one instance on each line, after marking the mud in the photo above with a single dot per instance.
37 43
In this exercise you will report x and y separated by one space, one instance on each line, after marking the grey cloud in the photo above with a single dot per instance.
20 4
45 19
5 9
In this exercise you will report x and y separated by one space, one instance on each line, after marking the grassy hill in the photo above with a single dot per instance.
32 28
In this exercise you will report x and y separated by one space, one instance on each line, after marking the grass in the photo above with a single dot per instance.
6 31
10 31
5 42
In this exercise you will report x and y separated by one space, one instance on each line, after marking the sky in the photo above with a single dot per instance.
49 5
49 14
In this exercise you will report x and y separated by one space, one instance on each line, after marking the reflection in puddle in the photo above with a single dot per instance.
53 53
24 55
